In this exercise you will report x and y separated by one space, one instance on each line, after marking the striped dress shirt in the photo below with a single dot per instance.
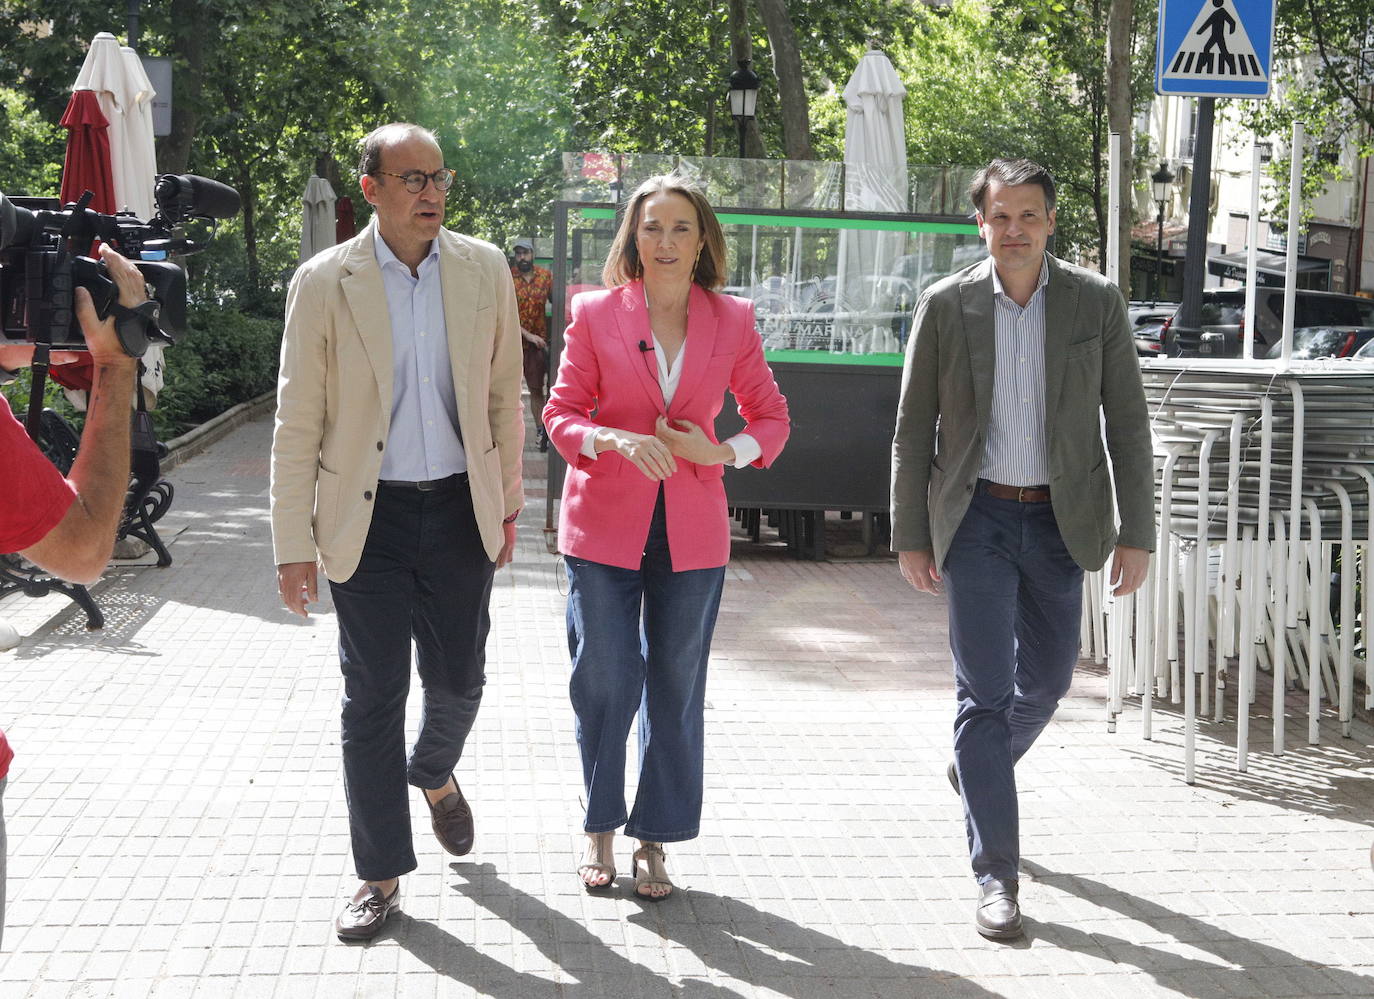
1017 453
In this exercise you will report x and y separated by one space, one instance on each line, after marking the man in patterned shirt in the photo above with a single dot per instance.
533 285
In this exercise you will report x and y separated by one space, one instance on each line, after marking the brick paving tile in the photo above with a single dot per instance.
177 825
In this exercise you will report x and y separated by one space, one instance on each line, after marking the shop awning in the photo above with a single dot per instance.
1267 262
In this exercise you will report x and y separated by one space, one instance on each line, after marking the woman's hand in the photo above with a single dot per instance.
645 451
692 443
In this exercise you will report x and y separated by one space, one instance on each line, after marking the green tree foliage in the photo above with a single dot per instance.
30 147
977 89
1010 79
1324 78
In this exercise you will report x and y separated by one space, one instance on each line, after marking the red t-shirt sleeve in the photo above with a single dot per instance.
35 495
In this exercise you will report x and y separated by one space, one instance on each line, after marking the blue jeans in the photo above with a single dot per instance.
639 640
1015 602
424 575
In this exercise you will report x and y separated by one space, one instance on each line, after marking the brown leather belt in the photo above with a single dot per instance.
1021 494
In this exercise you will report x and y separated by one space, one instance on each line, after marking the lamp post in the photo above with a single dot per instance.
744 94
1160 182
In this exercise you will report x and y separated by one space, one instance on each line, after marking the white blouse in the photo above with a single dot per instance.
745 447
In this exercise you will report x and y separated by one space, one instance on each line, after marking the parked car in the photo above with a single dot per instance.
1326 341
1223 311
1147 325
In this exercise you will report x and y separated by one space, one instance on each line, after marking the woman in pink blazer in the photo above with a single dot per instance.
644 523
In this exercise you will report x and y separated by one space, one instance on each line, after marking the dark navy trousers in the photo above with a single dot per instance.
1015 604
424 576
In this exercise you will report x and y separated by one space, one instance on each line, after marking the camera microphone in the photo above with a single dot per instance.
186 195
644 348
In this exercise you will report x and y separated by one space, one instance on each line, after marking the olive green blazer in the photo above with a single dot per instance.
1092 391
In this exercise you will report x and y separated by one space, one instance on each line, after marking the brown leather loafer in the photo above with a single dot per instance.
999 913
452 821
363 917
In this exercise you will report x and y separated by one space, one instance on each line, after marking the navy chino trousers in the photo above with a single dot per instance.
424 576
1015 599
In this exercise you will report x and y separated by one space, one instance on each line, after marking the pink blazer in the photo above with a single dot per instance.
607 502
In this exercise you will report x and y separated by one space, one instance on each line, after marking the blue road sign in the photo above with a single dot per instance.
1214 48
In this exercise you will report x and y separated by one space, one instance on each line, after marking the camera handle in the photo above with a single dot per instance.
39 370
135 327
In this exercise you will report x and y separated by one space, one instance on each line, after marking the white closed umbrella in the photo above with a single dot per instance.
139 152
875 181
125 94
317 217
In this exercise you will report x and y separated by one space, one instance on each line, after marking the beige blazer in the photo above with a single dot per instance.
1092 379
335 386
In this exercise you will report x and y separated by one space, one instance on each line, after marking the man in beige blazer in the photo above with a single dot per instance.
396 467
1001 491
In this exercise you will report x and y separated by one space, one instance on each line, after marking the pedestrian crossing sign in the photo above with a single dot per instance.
1214 48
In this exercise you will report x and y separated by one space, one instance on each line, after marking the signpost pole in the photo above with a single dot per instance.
1195 263
1252 252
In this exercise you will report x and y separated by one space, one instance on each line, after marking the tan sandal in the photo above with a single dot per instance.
598 861
651 873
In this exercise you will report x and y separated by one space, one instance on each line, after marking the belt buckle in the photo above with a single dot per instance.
428 485
1020 494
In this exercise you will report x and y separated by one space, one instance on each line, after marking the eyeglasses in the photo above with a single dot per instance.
415 180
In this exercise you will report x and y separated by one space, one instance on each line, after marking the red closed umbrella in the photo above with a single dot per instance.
87 164
85 168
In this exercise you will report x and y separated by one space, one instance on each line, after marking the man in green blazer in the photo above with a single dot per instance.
1002 492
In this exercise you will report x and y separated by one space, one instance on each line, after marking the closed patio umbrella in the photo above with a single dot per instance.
875 181
121 86
87 162
317 217
113 85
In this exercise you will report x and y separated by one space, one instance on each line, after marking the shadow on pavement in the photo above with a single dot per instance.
751 946
1236 964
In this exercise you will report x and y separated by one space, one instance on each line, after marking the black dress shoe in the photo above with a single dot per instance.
952 772
452 821
999 914
363 917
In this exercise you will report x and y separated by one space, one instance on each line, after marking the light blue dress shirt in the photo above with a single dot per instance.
1017 453
424 440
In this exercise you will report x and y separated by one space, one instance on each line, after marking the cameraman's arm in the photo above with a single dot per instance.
79 546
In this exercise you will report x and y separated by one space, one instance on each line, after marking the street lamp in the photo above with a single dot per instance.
744 94
1160 183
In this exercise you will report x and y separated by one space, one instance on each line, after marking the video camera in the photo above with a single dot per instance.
41 262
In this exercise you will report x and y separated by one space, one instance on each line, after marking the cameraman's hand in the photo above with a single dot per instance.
101 339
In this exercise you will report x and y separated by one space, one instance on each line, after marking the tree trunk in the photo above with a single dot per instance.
1119 120
188 74
787 67
250 234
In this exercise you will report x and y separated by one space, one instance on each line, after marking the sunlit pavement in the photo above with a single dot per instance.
177 824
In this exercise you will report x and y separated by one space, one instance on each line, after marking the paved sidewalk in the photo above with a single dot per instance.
177 825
